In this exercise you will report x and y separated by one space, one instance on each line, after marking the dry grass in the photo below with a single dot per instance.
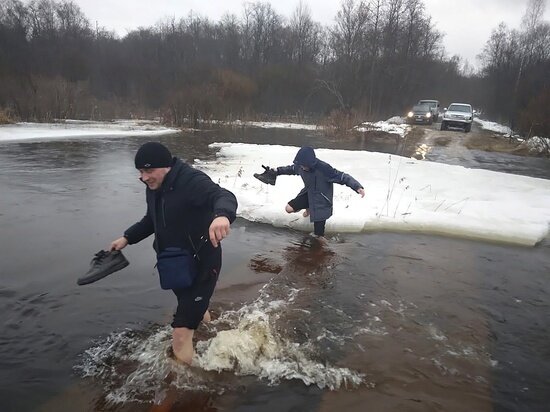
340 122
495 143
5 117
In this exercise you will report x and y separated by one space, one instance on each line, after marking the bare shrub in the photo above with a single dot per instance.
340 121
190 105
535 119
58 98
235 91
42 98
6 117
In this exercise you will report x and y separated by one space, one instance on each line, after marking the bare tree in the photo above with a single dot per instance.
515 65
230 37
261 28
305 40
349 33
375 58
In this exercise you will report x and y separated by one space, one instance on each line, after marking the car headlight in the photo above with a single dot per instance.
428 115
410 114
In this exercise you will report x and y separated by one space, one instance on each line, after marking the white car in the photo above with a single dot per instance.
458 115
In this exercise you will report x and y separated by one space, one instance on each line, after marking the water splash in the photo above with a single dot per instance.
136 366
254 346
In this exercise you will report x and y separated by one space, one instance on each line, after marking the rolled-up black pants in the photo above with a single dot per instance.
194 300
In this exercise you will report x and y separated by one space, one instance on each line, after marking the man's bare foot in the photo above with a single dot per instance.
306 213
182 344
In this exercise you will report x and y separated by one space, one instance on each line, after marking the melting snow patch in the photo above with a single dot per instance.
79 129
270 125
539 144
394 125
493 127
402 194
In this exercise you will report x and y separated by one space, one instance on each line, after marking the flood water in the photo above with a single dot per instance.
378 321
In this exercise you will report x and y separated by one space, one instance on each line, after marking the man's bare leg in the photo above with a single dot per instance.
206 317
182 344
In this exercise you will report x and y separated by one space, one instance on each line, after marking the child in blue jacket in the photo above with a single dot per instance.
317 194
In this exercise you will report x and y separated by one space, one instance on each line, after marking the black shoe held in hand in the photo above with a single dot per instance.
269 176
103 264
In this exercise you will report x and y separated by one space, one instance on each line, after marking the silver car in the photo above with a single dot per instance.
458 115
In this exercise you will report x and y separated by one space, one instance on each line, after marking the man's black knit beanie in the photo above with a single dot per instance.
152 155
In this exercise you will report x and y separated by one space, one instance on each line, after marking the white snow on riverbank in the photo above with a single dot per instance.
492 126
75 129
394 125
535 144
269 125
539 145
402 194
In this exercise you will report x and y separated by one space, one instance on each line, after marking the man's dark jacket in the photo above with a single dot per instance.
318 182
180 212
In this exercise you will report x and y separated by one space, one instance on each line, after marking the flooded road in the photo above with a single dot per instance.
450 147
395 322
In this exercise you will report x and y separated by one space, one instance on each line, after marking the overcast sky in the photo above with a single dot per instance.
466 24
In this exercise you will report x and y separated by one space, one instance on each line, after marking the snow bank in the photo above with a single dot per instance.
538 144
493 127
270 125
402 194
82 130
394 125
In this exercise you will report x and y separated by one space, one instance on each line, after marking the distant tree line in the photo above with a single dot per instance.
375 60
516 73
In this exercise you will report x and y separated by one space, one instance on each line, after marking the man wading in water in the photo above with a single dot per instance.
189 215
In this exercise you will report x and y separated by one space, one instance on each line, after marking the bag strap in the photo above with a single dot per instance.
202 241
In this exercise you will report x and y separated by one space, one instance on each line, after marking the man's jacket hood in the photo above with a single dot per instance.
305 157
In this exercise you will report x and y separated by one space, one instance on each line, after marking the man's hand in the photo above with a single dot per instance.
119 244
361 191
219 229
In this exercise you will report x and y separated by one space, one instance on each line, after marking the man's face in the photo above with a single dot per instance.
305 168
153 177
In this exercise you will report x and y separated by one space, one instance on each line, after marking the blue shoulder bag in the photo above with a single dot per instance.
177 268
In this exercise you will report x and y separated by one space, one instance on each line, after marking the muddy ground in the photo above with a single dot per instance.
477 139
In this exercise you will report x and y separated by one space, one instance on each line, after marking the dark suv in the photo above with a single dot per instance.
434 108
420 113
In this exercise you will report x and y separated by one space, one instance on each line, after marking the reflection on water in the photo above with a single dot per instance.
396 322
